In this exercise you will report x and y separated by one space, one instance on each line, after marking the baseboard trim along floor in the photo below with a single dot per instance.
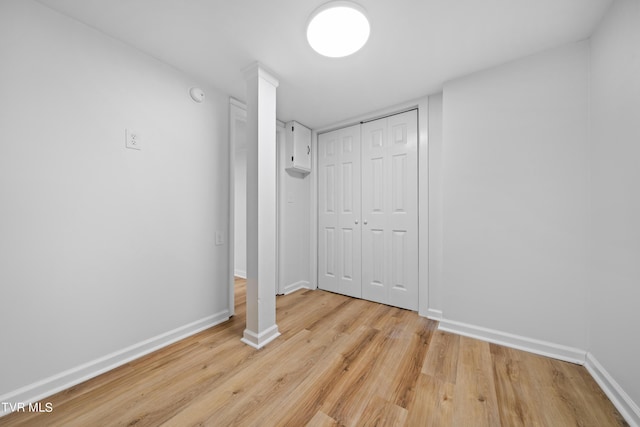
53 384
543 348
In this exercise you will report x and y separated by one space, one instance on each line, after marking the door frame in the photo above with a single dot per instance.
422 105
237 113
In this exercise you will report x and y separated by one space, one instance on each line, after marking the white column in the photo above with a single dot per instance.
261 207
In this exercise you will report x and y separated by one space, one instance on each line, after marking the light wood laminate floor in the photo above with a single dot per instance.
339 361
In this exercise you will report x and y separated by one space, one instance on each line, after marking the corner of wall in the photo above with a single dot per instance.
621 400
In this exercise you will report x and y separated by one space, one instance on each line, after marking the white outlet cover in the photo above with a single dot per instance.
219 238
133 140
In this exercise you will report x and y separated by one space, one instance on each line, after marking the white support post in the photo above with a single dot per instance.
261 207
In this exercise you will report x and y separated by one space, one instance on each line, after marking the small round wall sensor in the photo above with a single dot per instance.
197 94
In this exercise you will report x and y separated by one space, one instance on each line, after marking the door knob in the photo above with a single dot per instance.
365 222
356 222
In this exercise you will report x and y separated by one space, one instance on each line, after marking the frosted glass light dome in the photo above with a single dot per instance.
337 29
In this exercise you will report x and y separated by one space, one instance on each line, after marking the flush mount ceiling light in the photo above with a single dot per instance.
337 29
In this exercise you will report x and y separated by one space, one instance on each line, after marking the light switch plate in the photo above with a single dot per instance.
133 140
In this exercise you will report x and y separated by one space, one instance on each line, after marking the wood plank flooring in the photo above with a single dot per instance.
339 362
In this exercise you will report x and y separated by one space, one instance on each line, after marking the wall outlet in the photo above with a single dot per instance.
219 238
133 140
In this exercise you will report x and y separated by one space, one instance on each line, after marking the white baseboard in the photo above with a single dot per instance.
434 314
627 407
258 341
240 273
544 348
41 389
292 287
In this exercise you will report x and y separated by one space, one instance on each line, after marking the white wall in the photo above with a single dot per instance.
295 218
101 247
515 198
615 165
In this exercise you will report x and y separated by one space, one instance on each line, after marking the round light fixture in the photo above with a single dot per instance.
337 29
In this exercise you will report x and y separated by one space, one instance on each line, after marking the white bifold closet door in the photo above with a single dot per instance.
368 210
339 236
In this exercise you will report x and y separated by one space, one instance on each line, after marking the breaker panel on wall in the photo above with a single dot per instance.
298 147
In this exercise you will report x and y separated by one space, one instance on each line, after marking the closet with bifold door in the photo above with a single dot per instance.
368 210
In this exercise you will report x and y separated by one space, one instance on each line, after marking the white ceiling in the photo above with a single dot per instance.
415 45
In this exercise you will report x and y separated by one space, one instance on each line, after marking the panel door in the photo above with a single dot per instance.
339 232
390 210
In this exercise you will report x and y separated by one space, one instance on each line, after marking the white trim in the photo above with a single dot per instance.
292 287
544 348
258 341
422 105
41 389
281 205
423 207
313 210
395 109
257 70
237 103
434 314
627 407
237 112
